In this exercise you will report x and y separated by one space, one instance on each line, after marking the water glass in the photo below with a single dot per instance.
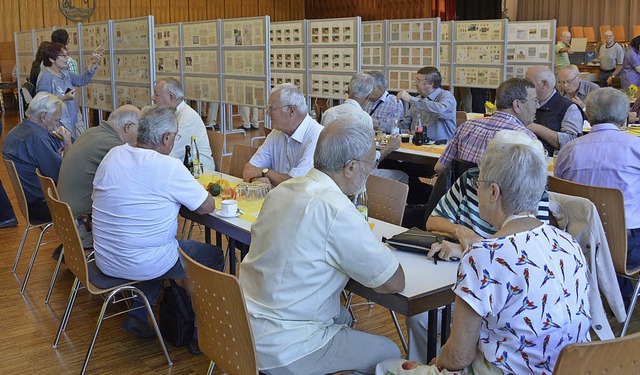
242 191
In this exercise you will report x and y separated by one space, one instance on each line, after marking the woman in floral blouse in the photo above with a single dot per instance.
522 294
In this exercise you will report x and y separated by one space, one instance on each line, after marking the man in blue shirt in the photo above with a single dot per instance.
38 142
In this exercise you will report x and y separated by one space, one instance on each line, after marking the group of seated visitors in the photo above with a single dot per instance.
522 286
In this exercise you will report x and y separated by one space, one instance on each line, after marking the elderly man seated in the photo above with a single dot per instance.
308 241
382 106
573 87
288 150
32 144
138 191
521 294
608 157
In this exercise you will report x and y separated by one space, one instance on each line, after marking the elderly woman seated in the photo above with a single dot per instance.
457 216
522 293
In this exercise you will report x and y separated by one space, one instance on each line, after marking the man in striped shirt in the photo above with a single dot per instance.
516 103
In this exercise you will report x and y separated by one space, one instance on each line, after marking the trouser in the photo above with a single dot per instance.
205 254
349 349
391 174
249 115
633 261
212 114
6 209
39 211
604 75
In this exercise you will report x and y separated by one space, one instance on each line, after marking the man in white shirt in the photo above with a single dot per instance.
611 55
168 91
138 191
308 241
288 150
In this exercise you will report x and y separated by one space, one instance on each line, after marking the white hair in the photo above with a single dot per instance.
607 105
291 95
342 139
361 85
173 87
44 102
155 121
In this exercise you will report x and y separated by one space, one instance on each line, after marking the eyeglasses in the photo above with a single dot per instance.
418 80
474 181
373 163
270 109
176 136
569 80
65 56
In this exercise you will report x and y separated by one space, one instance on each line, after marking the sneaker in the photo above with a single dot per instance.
255 126
246 126
139 328
194 348
13 222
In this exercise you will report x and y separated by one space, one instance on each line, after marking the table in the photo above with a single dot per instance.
428 286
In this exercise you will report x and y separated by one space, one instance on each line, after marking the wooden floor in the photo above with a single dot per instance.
29 326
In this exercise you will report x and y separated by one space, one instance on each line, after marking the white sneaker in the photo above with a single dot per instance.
246 126
255 126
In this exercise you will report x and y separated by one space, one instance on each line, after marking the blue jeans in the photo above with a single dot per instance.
633 261
6 210
208 255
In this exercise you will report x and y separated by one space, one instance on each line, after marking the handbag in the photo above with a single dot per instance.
416 240
177 319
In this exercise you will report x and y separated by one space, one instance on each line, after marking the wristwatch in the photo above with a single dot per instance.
264 172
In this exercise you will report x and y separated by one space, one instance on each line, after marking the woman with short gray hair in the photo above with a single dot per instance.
521 294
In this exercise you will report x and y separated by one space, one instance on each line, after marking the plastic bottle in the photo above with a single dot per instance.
361 201
418 137
197 166
188 161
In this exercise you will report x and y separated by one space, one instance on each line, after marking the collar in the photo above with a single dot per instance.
606 46
323 179
353 102
386 96
507 117
33 124
547 99
181 106
105 125
434 95
301 130
603 127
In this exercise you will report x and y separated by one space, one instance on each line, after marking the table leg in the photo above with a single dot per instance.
231 248
219 239
432 335
445 330
207 235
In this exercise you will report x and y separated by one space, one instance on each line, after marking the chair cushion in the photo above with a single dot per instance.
102 281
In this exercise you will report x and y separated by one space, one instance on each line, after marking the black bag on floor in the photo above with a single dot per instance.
177 319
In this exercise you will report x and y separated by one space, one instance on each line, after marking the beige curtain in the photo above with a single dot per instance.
583 13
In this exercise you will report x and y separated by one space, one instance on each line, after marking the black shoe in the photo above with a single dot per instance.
56 254
138 328
13 222
194 348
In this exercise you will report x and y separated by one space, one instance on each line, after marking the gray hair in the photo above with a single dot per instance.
291 95
543 73
510 90
44 102
155 121
517 164
571 68
342 139
378 79
361 85
123 115
607 105
173 87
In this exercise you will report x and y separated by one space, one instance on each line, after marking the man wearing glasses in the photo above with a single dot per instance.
558 120
573 87
288 150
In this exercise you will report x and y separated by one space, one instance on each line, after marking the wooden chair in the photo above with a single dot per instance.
89 275
603 29
387 199
577 32
619 34
46 183
560 30
224 330
240 157
617 356
43 226
590 34
216 142
610 205
636 30
461 116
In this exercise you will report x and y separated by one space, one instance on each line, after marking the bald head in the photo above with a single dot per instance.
565 37
124 120
543 79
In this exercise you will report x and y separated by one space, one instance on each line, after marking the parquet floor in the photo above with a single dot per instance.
28 326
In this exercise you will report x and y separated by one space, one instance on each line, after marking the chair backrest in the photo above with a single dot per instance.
17 188
240 157
216 142
560 30
387 199
636 30
577 32
601 357
619 34
47 183
224 330
590 34
267 131
610 205
461 116
65 225
603 29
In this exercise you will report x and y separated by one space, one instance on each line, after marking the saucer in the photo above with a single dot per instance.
221 214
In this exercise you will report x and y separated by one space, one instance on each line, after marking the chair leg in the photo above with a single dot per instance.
65 318
184 228
634 299
212 365
33 257
399 329
193 223
54 276
24 238
348 297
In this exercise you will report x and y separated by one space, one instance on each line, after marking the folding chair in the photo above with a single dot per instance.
617 356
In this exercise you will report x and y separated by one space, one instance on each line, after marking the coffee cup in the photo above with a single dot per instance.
229 207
